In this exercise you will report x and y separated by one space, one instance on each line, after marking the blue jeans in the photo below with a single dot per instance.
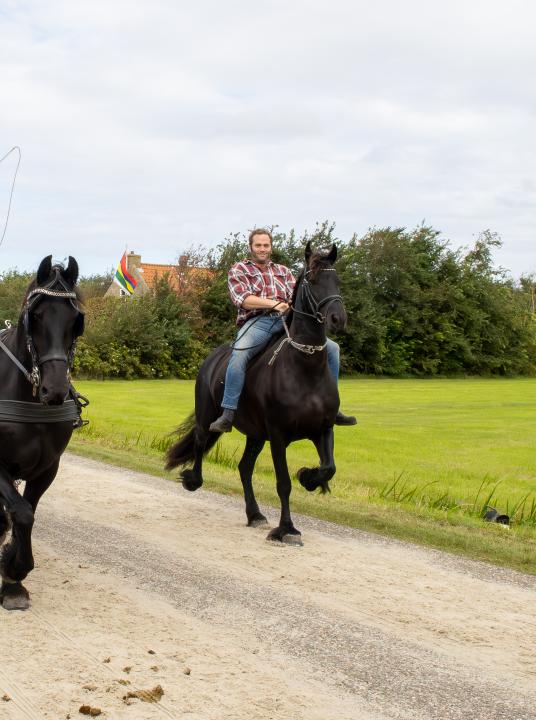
254 335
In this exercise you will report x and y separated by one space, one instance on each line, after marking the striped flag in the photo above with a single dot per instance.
123 278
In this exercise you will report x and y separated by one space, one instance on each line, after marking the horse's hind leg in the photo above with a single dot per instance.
313 478
192 478
245 467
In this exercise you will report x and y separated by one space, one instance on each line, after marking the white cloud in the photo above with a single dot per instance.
161 125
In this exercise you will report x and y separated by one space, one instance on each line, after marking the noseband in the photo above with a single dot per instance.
311 303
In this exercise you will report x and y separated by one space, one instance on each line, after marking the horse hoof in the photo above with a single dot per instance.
307 478
285 538
258 521
15 597
190 481
191 487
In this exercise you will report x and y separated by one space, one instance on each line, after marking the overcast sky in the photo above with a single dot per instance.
159 125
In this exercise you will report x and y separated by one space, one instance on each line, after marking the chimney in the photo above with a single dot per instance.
133 261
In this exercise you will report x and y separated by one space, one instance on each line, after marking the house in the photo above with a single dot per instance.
180 277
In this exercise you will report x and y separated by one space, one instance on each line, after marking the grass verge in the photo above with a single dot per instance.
426 459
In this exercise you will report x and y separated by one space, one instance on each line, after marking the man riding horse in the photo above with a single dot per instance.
262 291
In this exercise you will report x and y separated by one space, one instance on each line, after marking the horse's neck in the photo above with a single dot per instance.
16 341
307 330
14 384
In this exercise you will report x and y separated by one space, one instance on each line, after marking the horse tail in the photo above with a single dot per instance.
183 451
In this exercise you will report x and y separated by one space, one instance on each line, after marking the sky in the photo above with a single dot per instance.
164 126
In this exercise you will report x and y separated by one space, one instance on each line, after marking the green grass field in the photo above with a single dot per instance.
424 460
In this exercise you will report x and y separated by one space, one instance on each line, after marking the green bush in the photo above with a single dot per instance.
415 307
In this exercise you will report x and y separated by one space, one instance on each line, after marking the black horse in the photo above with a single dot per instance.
289 395
36 418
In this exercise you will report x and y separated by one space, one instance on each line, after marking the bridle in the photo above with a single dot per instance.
32 299
310 302
313 305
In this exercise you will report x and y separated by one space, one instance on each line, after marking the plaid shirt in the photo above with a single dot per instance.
246 278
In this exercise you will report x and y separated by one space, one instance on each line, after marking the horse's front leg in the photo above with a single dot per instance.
285 532
16 560
313 478
17 557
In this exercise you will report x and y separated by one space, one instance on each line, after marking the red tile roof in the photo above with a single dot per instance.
152 272
179 277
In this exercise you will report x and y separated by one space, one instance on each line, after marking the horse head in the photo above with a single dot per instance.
318 290
52 321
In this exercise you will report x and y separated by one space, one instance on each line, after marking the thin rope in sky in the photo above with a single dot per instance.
17 148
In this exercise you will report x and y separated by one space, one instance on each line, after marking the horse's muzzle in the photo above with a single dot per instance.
51 398
54 386
336 319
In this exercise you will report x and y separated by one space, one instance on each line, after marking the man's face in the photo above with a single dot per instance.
261 249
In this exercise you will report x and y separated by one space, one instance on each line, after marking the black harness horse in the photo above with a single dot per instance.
289 395
38 410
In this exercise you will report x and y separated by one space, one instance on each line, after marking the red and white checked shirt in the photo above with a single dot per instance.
246 278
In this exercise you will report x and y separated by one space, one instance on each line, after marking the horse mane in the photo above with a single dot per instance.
7 332
317 263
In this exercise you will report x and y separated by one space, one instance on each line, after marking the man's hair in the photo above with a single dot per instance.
260 231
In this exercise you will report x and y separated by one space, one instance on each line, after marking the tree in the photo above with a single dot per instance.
13 286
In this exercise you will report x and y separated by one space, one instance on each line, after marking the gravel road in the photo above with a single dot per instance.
140 585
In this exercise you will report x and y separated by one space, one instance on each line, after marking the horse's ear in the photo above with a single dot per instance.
44 270
332 256
308 252
71 273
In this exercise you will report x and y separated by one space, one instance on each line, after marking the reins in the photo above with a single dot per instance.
310 298
263 313
12 187
307 349
315 314
16 361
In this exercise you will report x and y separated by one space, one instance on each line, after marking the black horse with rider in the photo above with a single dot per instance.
288 393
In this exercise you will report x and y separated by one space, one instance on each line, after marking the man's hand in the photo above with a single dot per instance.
281 307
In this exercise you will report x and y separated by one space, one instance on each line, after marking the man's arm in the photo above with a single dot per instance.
242 294
252 302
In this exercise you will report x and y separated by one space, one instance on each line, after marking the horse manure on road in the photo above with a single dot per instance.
153 695
88 710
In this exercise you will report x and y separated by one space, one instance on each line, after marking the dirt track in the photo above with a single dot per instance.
139 584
